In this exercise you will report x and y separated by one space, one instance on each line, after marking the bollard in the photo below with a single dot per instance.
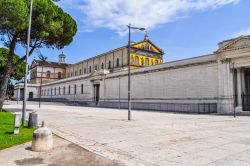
33 120
42 140
17 117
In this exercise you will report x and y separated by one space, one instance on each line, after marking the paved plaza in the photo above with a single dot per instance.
150 138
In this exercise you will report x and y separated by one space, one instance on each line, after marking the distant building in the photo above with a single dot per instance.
218 82
47 71
143 53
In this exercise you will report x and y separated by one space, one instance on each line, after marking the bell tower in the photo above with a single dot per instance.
61 58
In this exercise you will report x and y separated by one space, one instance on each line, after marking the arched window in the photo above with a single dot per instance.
147 62
51 91
75 89
64 90
152 62
117 62
71 74
156 61
142 61
89 69
80 72
59 75
109 64
55 91
95 67
136 60
48 74
85 70
102 65
59 91
75 73
69 90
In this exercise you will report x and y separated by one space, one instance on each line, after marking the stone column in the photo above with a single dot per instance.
243 81
239 88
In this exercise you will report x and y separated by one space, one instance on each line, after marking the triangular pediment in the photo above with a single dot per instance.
148 46
238 43
95 74
98 75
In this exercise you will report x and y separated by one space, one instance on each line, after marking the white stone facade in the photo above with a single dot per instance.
211 83
32 91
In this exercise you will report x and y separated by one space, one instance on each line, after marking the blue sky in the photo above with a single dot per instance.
182 28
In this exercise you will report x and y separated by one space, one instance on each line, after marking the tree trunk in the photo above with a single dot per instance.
7 72
4 84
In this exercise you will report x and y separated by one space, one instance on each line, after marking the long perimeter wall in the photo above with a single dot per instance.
189 85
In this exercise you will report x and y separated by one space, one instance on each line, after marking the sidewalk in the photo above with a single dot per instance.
64 153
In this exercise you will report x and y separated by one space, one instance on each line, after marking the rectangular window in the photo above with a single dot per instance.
51 92
59 90
69 90
64 90
75 89
82 88
55 91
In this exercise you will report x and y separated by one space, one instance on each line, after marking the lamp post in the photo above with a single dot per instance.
26 61
129 72
26 65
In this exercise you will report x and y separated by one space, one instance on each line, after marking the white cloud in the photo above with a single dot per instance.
242 32
116 14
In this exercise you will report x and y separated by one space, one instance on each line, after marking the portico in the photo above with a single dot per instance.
242 89
236 55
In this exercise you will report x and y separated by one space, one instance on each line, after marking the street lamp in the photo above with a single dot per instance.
129 72
26 66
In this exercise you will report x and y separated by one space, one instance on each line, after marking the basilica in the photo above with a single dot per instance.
217 82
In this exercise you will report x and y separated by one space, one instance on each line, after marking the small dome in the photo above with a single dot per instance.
62 55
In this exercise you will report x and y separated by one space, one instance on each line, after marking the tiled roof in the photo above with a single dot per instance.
49 64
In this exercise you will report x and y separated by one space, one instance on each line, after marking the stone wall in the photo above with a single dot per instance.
187 89
186 86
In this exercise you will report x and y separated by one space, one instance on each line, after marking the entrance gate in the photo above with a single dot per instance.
96 93
245 102
246 96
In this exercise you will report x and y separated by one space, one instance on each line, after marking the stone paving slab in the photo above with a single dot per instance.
151 138
64 153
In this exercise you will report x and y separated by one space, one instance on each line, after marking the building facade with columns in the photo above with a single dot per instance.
218 82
